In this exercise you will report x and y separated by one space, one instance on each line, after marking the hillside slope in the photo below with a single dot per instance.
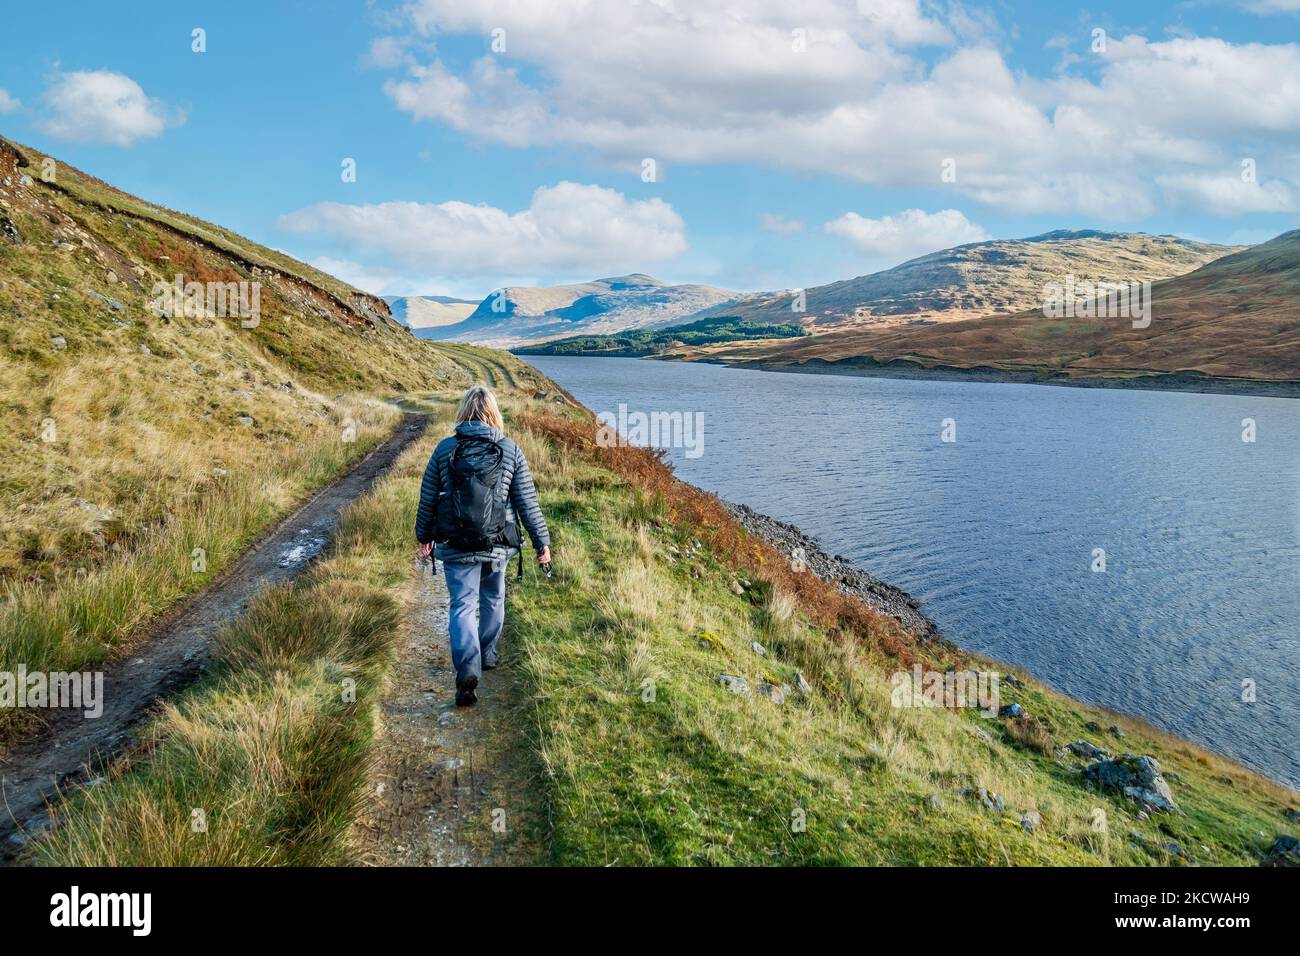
145 444
980 278
525 315
628 747
1236 317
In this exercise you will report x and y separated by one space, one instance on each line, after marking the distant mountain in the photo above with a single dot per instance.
420 312
522 315
1237 317
980 278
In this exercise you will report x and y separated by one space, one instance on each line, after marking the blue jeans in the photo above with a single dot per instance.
478 609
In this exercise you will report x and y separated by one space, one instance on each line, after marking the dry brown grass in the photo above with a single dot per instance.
646 470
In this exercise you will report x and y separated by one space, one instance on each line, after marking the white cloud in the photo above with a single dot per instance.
8 104
1273 6
776 223
1229 195
568 228
100 106
717 84
911 233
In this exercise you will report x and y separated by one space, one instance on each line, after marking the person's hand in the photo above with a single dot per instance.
426 550
545 556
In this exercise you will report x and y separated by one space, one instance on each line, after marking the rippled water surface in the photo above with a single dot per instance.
995 532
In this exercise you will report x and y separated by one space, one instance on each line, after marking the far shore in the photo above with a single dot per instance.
1164 382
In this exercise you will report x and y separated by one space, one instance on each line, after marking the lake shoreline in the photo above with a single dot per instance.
837 571
1172 382
936 529
910 371
894 602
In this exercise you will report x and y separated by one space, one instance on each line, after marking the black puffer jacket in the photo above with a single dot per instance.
516 488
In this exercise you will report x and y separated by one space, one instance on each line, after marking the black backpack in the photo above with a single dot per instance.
471 515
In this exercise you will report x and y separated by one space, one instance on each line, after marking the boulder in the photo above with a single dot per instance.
987 798
1136 777
1081 748
1285 851
737 685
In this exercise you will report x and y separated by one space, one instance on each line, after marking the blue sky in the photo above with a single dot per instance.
795 142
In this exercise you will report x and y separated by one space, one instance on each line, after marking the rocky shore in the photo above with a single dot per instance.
835 570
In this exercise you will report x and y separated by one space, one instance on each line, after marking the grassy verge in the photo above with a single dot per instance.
651 761
272 748
198 525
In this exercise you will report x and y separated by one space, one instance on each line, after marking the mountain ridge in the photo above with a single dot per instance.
1233 318
995 276
522 315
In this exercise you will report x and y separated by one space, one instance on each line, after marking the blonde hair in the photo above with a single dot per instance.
478 404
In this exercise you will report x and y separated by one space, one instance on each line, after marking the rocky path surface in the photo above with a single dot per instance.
173 654
449 785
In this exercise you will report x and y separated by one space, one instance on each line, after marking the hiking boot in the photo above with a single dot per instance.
465 696
490 666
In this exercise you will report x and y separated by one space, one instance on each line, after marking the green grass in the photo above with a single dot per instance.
695 775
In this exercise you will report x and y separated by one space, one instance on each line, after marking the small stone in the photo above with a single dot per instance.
773 693
245 420
1116 731
801 685
1082 748
454 764
1031 820
736 588
737 685
934 802
758 648
59 342
1093 726
991 801
1292 815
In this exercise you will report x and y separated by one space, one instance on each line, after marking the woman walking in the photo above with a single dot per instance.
476 489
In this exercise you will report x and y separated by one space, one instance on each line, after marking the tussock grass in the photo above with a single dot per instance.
273 748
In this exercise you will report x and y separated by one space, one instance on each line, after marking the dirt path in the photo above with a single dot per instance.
174 653
450 785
